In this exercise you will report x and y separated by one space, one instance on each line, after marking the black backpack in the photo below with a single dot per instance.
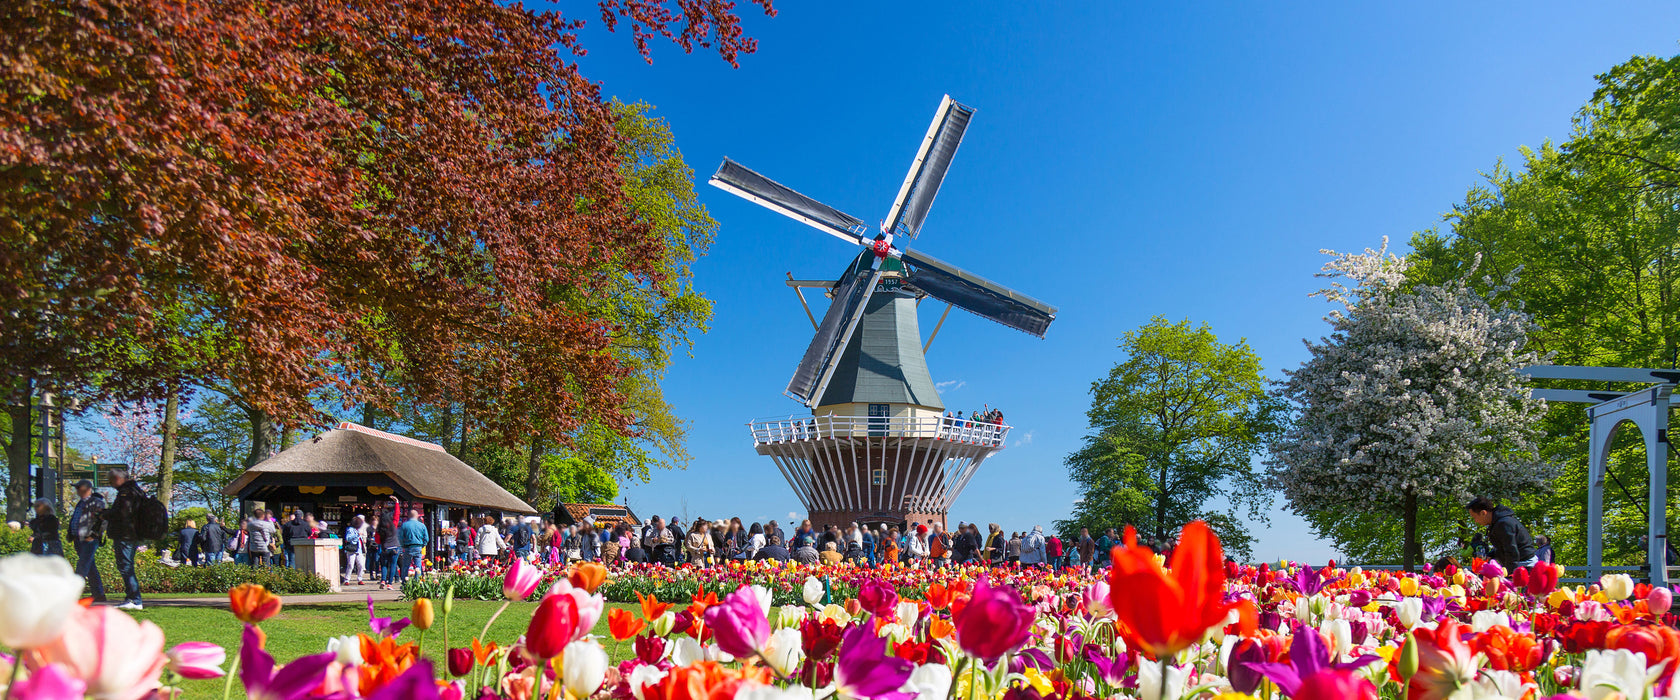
151 519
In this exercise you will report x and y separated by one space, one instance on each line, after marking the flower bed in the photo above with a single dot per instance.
1200 627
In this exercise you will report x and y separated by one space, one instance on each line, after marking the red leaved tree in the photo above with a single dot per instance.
286 200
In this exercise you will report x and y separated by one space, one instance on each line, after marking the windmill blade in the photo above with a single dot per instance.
732 177
851 297
978 295
927 171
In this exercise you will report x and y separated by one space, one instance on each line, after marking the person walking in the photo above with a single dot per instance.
122 522
1012 549
212 541
43 529
414 535
186 543
1508 541
1033 548
489 539
1105 548
700 543
1543 549
259 538
918 549
86 531
1087 549
355 551
994 544
1054 555
521 539
390 549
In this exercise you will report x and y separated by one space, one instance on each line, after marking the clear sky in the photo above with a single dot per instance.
1126 161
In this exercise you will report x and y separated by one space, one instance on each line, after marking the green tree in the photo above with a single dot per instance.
1593 224
215 443
1174 424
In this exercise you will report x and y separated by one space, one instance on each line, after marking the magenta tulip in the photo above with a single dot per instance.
521 580
879 598
994 621
50 682
738 624
1660 599
197 660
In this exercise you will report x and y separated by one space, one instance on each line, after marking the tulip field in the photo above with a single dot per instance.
1144 627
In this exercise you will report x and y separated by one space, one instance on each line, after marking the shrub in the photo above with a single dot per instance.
155 578
14 541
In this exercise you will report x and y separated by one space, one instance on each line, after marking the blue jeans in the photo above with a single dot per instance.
124 549
411 556
388 566
85 567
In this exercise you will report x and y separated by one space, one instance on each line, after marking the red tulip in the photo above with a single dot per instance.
1164 611
879 598
552 626
994 621
460 662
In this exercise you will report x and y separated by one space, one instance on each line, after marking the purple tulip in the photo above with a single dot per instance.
738 624
293 681
864 670
1307 657
1111 670
197 660
994 621
1308 582
383 626
1492 569
1246 656
1359 598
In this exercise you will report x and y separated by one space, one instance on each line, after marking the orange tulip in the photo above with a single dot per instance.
252 603
481 653
940 628
652 609
588 576
623 624
383 660
1162 612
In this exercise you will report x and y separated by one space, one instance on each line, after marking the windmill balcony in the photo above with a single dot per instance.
768 431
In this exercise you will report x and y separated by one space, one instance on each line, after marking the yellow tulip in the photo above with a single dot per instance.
1408 587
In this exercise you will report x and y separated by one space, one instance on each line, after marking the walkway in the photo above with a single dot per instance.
351 594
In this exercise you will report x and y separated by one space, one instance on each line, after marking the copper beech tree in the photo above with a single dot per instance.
292 200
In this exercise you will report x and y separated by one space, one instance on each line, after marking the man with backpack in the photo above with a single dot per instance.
133 518
521 537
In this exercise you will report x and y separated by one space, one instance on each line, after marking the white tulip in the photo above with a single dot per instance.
1616 586
686 650
929 682
348 648
1484 620
785 650
584 667
642 677
812 591
762 595
1410 611
1341 636
1605 673
895 632
907 613
662 626
37 596
1493 683
1149 682
789 616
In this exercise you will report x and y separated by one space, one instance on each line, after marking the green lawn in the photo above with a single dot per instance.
303 629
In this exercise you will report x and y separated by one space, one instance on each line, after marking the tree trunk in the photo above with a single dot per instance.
166 458
448 428
262 435
461 447
19 454
533 470
1409 506
288 436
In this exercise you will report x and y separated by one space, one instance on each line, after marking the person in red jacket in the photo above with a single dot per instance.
1053 551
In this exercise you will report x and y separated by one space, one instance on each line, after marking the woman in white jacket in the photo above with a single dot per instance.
918 547
489 539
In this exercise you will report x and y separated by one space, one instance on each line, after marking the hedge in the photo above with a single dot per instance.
155 578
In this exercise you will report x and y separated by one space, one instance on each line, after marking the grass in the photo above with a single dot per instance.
300 630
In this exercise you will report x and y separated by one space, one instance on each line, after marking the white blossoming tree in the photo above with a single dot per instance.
1412 400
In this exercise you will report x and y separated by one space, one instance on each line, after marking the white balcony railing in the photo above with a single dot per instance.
797 428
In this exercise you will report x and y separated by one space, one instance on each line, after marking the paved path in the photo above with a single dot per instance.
351 594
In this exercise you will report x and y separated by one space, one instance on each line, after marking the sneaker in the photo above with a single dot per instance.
131 605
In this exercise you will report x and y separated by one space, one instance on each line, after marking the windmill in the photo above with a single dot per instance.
877 446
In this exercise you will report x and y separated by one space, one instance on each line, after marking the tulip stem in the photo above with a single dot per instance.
17 666
487 623
1164 658
227 685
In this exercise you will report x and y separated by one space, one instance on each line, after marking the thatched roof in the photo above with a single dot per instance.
604 514
421 468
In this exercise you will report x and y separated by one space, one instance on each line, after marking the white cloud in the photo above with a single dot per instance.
792 515
950 385
1024 439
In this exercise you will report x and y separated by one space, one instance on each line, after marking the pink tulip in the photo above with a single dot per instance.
738 624
51 682
197 660
1660 599
589 607
117 657
994 621
521 580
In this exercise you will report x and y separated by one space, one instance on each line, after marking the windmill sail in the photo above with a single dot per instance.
927 171
976 294
732 177
829 342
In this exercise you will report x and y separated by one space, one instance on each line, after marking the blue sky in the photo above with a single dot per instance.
1125 162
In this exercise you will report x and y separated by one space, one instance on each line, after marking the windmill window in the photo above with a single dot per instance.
878 414
878 477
